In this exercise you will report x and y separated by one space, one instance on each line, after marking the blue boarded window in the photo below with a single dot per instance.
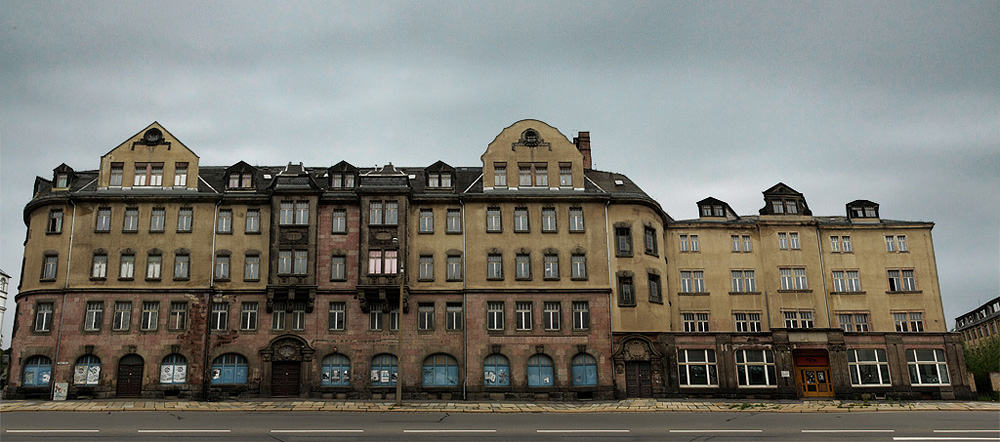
540 373
87 370
230 368
496 370
336 371
173 370
383 372
584 370
37 371
440 370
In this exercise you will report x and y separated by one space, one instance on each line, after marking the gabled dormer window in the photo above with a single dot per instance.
241 180
862 209
783 200
62 177
439 179
342 180
62 180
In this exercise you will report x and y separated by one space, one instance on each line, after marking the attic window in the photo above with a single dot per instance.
341 180
62 180
713 210
785 206
439 179
240 180
619 182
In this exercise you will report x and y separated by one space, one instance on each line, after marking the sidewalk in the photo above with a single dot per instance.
623 406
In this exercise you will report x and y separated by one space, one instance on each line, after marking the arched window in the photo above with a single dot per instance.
384 370
230 368
540 373
37 371
496 370
584 370
440 370
87 370
336 371
173 369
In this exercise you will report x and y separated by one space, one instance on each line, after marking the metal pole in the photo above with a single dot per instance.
399 337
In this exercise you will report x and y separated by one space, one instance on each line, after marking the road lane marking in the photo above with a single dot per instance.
946 438
450 431
849 431
582 431
717 431
318 431
995 430
53 431
185 431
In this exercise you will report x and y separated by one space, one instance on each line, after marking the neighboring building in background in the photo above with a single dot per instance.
4 288
530 276
981 323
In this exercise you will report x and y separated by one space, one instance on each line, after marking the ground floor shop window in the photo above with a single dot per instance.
496 371
584 370
927 366
697 368
87 370
755 368
868 367
230 368
173 369
383 372
336 371
440 370
37 371
540 372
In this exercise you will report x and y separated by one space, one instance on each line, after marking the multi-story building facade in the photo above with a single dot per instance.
981 323
4 287
531 276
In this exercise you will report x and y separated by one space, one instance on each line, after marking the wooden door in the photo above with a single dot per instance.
130 376
285 378
814 382
638 379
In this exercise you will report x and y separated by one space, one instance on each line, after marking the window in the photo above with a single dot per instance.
549 220
697 368
37 372
846 281
576 219
178 316
626 291
550 266
895 243
494 266
278 315
783 241
286 213
494 315
909 321
744 281
338 221
154 267
655 294
338 268
336 371
62 181
522 315
793 240
251 268
248 316
50 267
298 316
375 212
150 315
868 367
695 322
522 266
500 175
301 264
565 175
581 315
649 240
623 241
394 318
220 316
127 266
285 262
230 368
747 322
901 243
902 281
425 268
747 244
689 243
253 221
302 213
438 180
43 316
103 220
185 216
840 244
552 316
493 219
337 315
391 213
496 371
173 370
425 316
692 281
342 180
453 221
578 266
440 370
222 267
927 366
741 243
131 220
182 266
521 219
383 373
540 372
533 175
55 221
99 266
375 319
148 174
180 174
453 315
755 368
123 316
117 172
798 319
224 224
853 322
426 221
793 279
454 270
95 316
783 206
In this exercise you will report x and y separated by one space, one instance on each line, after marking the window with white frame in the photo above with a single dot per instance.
895 243
43 316
550 266
131 220
252 223
248 316
533 175
391 213
50 267
493 219
783 240
95 316
178 316
523 315
55 221
692 281
454 268
623 241
453 221
126 269
425 316
220 316
575 219
522 266
747 322
927 366
99 266
426 221
299 316
453 315
744 281
222 267
224 224
150 315
251 268
494 266
755 368
846 281
908 322
123 316
695 322
157 219
840 244
793 278
425 268
565 175
117 172
902 280
552 315
689 243
581 315
798 318
494 315
655 292
337 317
697 368
103 220
154 266
185 218
182 266
649 240
180 174
869 367
521 219
500 175
278 314
578 266
626 291
853 322
338 221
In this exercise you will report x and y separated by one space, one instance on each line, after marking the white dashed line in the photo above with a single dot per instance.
716 431
185 431
849 431
53 431
582 431
450 431
318 431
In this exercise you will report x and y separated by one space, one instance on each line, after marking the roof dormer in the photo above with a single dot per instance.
342 175
714 209
150 159
241 176
783 200
862 210
62 177
531 155
440 176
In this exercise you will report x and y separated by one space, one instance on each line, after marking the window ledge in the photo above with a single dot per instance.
626 305
54 233
693 293
744 293
904 292
795 291
252 233
453 233
849 293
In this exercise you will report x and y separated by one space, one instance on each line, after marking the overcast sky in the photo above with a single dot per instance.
894 102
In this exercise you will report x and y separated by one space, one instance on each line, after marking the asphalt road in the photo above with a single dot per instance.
308 426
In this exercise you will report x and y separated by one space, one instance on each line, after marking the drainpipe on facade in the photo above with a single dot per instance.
822 268
611 292
62 305
206 369
465 310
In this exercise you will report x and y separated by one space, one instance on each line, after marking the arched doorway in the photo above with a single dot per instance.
286 355
637 367
129 376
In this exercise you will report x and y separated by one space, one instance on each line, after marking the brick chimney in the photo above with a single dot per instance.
582 142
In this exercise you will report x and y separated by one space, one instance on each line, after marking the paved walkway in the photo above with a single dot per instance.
629 405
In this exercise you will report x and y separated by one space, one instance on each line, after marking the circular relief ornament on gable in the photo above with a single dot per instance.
152 136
